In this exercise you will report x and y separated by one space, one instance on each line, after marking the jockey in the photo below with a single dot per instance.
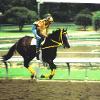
40 31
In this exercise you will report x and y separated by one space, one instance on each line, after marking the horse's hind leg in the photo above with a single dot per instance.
6 66
31 70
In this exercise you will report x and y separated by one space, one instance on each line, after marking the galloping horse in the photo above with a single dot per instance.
49 50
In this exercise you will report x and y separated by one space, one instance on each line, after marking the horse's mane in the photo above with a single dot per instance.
54 34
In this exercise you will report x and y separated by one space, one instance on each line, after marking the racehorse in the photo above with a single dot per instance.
49 50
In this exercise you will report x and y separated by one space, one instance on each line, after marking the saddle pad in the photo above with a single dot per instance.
33 41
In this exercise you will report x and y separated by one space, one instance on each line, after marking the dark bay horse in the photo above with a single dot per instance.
49 50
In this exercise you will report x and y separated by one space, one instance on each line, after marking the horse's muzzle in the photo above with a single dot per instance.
66 46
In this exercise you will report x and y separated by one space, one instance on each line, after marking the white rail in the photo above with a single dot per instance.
67 61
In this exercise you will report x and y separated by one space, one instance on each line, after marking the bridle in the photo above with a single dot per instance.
58 43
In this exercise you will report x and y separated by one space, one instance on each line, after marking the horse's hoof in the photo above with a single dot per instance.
33 76
51 76
42 76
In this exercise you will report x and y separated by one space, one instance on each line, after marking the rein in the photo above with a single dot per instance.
58 43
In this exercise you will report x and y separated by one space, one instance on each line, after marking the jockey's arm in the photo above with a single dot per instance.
42 27
47 31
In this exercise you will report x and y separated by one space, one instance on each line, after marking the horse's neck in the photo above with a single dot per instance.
53 36
49 42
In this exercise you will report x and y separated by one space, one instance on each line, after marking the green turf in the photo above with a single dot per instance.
7 31
76 74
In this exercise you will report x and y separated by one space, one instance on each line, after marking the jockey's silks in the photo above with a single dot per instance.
42 25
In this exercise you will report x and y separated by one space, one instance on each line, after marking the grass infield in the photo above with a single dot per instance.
62 74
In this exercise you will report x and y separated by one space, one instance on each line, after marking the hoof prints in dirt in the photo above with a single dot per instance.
32 90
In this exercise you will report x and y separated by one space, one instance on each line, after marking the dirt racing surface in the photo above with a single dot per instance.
40 90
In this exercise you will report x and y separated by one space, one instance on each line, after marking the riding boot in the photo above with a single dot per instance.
37 53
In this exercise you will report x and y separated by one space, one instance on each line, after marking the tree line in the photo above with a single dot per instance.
22 12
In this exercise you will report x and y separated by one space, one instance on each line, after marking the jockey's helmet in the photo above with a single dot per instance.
49 18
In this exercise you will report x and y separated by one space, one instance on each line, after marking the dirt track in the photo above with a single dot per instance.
32 90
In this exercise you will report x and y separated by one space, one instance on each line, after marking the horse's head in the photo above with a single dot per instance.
65 38
60 37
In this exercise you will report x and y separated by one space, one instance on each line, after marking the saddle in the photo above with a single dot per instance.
33 41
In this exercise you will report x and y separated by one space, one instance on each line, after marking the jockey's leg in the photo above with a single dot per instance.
34 30
38 38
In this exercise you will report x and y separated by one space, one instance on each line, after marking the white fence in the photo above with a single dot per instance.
67 61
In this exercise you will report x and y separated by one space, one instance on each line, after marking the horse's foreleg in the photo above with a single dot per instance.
50 76
52 73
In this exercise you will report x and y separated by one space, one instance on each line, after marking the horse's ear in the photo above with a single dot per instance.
65 31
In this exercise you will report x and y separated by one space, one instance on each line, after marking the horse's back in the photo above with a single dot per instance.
24 48
25 41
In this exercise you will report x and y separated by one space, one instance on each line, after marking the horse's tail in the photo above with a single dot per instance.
10 53
8 56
